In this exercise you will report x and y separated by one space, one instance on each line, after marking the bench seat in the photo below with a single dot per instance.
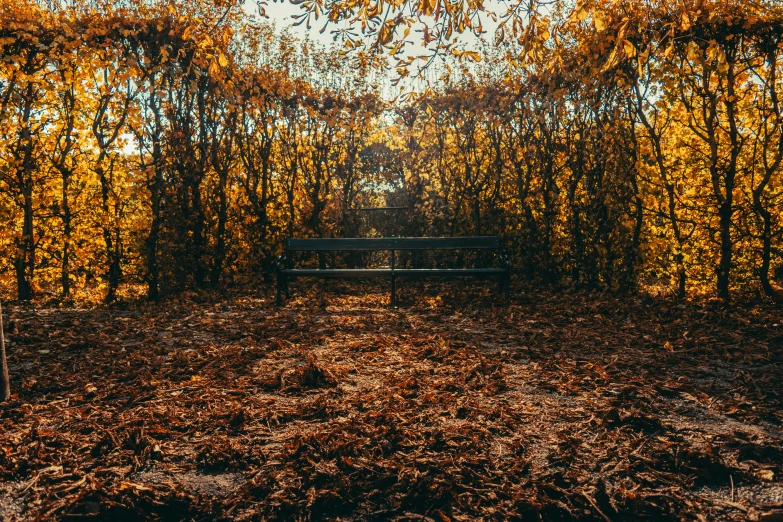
380 272
286 271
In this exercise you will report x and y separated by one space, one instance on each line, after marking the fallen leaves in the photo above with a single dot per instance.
237 410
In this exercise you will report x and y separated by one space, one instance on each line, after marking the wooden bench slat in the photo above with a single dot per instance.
393 243
337 272
448 271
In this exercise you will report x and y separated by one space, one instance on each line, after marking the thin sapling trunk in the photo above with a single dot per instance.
5 381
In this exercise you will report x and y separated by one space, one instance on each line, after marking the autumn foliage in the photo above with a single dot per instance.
626 152
150 148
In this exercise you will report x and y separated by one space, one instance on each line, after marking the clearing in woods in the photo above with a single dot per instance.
571 406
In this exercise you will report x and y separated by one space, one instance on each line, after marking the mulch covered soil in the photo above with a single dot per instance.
452 407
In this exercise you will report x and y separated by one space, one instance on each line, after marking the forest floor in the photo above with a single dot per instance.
450 407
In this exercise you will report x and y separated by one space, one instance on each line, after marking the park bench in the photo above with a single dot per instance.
286 270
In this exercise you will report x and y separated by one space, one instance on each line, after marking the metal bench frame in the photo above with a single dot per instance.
285 270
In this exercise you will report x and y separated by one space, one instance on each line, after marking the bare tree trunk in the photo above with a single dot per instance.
724 266
766 252
113 274
577 255
65 270
5 381
25 254
770 168
220 250
156 188
151 244
726 210
199 231
25 258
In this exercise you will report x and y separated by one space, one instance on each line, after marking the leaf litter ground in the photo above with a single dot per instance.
451 407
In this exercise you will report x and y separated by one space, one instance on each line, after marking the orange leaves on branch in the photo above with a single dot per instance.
470 55
427 7
386 33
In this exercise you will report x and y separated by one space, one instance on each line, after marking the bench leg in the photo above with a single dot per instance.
285 287
393 292
277 298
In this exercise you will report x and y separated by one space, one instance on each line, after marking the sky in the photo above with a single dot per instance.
281 14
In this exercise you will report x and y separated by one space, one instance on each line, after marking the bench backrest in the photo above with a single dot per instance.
393 243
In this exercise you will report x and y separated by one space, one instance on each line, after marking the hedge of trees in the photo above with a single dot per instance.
148 148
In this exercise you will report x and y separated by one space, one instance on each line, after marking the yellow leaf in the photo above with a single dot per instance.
686 22
132 485
222 60
668 346
214 70
599 21
630 50
693 51
611 62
